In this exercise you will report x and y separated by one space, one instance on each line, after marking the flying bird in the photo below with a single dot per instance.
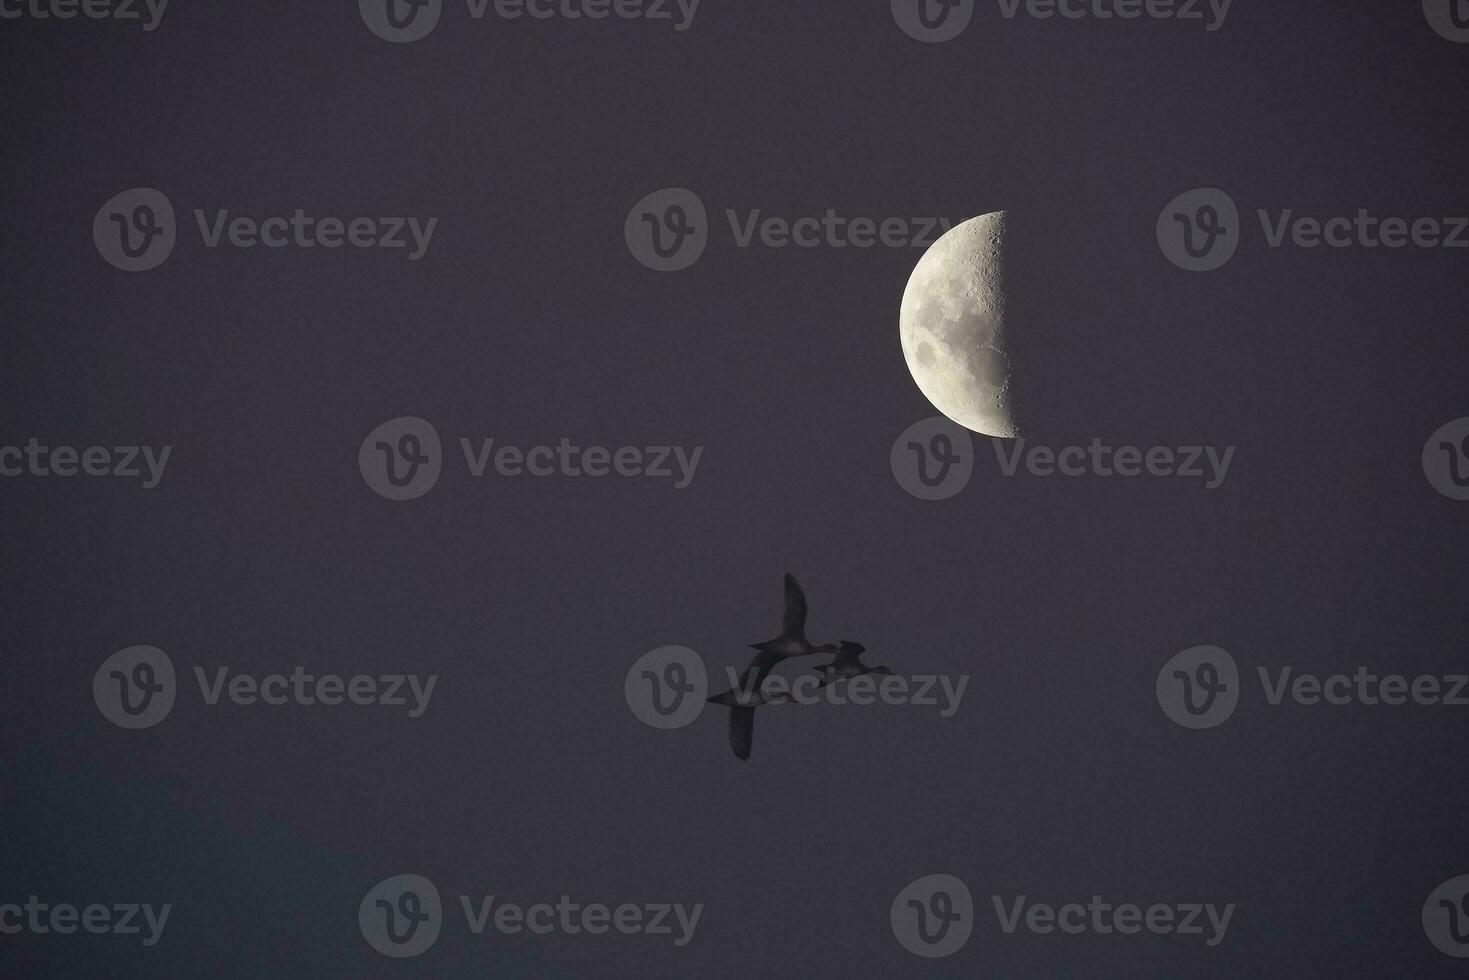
848 664
792 642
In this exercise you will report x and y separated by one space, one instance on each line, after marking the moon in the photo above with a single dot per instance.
952 324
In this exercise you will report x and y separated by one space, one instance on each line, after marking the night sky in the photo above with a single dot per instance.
528 319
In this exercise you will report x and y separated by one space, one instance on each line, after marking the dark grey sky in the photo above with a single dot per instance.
529 320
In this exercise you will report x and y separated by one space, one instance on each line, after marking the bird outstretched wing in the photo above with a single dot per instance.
795 615
741 731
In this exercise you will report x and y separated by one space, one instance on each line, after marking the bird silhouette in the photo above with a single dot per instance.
848 664
743 700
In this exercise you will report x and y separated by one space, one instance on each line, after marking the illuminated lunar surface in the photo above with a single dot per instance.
952 324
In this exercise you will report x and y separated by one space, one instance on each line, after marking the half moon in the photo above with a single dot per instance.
952 324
